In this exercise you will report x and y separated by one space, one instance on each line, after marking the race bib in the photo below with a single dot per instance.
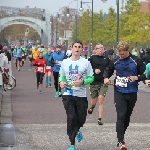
30 56
40 69
48 67
121 81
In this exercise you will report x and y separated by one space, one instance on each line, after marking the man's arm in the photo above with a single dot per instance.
109 70
140 70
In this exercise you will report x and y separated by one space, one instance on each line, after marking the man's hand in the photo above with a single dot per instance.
107 81
147 82
97 71
132 78
38 64
56 62
77 83
62 84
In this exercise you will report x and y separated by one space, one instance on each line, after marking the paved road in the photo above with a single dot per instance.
40 119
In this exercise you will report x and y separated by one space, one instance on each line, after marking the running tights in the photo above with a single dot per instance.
56 81
124 104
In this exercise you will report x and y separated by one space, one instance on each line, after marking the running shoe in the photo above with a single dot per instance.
60 94
57 94
121 146
72 147
40 91
79 136
100 122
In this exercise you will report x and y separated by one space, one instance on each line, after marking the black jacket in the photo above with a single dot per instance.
146 58
99 62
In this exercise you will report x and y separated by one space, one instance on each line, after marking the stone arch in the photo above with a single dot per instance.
45 36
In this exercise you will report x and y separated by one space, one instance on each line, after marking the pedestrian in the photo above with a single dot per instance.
130 70
3 66
40 64
97 88
75 73
56 59
8 54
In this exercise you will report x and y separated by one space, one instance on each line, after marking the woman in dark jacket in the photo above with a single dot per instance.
141 53
146 58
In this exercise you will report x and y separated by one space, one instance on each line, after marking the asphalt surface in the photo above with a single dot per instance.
39 120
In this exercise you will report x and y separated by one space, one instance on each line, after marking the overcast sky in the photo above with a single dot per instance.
55 5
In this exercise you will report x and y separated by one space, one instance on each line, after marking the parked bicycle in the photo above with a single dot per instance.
9 81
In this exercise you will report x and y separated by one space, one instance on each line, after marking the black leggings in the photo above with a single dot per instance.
124 104
56 82
76 110
39 77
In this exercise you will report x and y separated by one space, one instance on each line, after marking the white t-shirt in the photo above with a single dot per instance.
68 53
74 70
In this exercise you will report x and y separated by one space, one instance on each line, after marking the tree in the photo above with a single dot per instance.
84 27
110 27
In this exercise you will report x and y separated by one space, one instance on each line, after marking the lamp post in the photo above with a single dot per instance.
91 28
52 31
117 21
57 28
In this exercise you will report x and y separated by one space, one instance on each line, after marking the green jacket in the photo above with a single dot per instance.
46 56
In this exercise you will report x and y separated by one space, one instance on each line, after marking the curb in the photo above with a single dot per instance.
7 128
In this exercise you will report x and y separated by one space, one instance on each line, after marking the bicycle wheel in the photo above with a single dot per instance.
12 82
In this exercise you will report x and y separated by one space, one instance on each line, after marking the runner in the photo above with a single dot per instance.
30 59
48 68
97 88
56 59
40 64
130 70
35 53
75 73
18 54
25 51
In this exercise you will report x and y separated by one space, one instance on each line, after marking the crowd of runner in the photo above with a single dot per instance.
72 72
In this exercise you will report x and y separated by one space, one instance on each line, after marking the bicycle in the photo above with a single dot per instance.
9 81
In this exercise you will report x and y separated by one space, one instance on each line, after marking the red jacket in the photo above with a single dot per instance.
41 65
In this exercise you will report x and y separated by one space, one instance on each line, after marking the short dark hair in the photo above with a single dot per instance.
77 41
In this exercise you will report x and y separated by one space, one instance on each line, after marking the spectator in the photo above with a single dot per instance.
85 52
110 53
146 58
141 53
134 52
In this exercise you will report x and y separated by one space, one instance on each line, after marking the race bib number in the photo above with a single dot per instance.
40 69
48 67
121 81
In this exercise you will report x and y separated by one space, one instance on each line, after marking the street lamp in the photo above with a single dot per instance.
91 30
117 23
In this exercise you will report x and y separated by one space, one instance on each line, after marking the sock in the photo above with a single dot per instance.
49 80
46 81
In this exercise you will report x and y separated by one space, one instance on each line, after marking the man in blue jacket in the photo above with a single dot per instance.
56 59
130 70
